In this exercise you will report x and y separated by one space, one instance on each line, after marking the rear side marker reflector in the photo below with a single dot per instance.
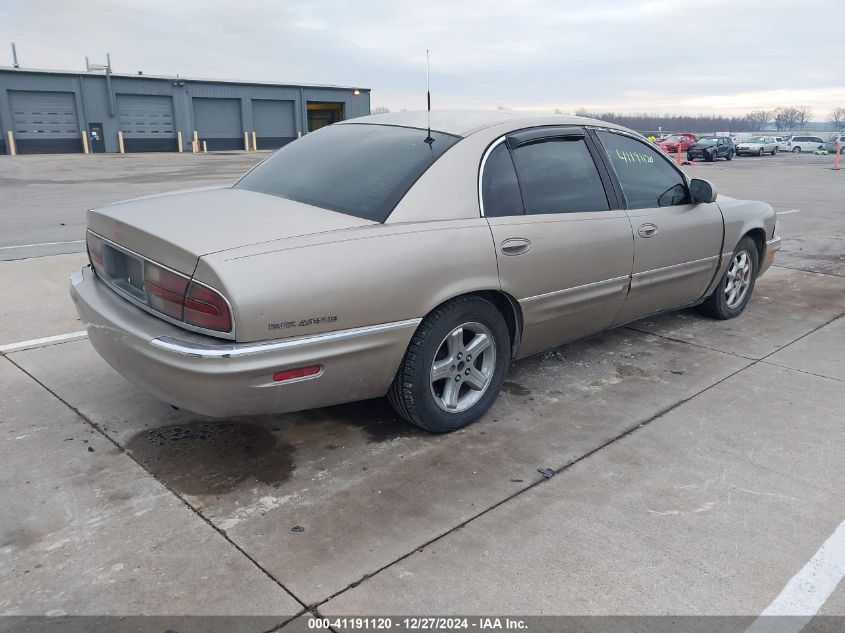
292 374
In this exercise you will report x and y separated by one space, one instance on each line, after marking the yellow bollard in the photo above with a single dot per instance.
12 149
84 143
246 141
120 142
195 146
205 147
254 144
179 140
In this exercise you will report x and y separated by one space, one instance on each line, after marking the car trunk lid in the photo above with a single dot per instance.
177 229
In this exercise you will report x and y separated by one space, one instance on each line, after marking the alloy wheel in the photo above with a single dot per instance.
738 280
463 367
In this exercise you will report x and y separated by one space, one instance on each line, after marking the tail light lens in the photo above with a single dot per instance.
95 251
165 290
206 308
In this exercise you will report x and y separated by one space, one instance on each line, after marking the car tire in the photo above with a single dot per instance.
796 150
442 341
774 151
729 156
690 158
760 152
732 293
711 157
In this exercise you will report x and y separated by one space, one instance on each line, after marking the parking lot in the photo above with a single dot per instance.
697 464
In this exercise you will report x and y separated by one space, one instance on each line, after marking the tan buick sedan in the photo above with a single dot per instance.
376 256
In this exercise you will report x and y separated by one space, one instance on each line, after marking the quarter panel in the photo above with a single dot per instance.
368 276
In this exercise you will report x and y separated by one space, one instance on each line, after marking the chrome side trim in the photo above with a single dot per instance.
574 289
484 158
237 350
164 317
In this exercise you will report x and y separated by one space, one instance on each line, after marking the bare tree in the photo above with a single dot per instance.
803 114
759 120
837 118
785 117
380 110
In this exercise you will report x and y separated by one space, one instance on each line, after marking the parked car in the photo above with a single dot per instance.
357 261
783 143
805 143
830 146
758 145
678 142
712 147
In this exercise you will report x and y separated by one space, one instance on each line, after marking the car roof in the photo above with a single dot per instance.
466 122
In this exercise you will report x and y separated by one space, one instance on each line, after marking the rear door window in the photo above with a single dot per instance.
500 194
558 175
648 179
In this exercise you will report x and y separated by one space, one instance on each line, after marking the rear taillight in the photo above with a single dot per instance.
165 290
95 251
207 309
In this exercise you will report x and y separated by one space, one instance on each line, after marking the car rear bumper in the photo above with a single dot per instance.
220 378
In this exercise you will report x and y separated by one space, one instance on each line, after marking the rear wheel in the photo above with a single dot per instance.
729 156
454 366
796 149
733 291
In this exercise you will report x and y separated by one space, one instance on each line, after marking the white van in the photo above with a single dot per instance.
805 143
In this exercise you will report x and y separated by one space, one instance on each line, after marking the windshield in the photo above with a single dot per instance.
357 169
676 138
756 139
708 141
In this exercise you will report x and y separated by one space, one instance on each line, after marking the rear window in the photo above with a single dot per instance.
356 169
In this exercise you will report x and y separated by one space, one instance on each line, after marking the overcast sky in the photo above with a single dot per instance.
626 55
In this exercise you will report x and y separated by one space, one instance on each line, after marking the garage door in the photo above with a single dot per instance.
273 122
218 122
44 122
147 123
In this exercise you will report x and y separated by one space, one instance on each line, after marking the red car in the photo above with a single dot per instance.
678 142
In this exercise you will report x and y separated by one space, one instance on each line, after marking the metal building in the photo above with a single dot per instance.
45 111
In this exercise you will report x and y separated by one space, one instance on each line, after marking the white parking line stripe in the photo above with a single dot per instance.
788 212
40 342
807 590
6 248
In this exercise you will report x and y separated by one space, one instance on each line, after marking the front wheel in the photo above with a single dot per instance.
774 151
734 290
454 366
729 156
796 150
760 152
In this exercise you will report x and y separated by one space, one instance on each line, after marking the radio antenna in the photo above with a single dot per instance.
428 138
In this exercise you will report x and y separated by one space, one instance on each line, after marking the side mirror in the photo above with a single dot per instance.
702 191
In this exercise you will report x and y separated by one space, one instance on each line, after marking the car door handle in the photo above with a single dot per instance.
516 246
647 230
